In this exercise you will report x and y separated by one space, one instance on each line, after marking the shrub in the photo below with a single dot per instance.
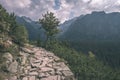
20 35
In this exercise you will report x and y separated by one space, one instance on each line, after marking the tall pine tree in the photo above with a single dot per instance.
49 23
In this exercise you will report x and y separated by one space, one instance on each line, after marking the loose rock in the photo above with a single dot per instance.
38 64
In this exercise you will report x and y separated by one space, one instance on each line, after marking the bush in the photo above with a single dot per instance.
20 35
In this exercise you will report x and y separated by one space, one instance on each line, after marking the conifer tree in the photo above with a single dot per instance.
49 23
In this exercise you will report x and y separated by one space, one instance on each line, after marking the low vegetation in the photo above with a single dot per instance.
85 67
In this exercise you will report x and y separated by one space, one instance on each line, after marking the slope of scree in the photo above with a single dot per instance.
36 63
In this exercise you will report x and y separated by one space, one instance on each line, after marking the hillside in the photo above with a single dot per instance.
98 32
95 27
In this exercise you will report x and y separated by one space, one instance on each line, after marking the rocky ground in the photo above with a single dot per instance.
36 63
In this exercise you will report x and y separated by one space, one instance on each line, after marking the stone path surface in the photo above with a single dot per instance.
36 63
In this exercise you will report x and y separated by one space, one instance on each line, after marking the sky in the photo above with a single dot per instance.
63 9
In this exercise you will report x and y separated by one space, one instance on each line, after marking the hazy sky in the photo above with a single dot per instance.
63 9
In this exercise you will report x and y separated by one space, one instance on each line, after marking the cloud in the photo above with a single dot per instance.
15 3
63 9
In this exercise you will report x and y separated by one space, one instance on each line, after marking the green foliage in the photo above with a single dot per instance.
83 66
4 26
20 35
49 23
108 52
9 27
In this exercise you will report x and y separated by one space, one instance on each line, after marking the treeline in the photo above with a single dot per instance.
107 52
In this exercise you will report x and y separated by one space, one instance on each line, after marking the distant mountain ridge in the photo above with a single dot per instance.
64 27
98 32
97 26
34 29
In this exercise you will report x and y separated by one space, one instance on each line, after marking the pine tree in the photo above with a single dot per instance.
49 23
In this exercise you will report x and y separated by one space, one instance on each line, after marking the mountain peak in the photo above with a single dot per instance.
98 12
27 19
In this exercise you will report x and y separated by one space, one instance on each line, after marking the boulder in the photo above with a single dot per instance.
13 67
8 57
56 77
23 58
33 73
13 78
26 50
25 78
32 78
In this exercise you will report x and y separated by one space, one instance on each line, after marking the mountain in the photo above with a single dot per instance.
64 26
97 26
98 32
34 29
